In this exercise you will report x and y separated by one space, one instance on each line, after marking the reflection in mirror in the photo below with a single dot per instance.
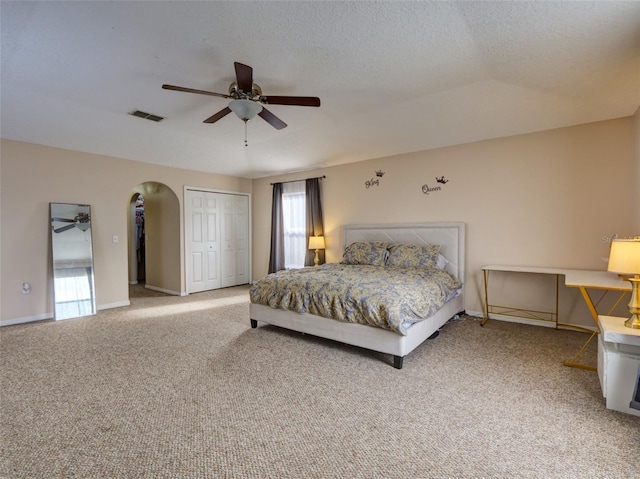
72 252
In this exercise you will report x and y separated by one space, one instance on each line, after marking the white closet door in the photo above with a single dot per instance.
203 245
241 228
217 240
228 241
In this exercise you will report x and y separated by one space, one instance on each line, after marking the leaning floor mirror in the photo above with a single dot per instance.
72 253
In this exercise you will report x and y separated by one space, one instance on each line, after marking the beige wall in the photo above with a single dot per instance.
31 176
543 199
635 176
547 199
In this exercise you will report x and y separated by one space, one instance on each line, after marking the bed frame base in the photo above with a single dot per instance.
359 335
397 360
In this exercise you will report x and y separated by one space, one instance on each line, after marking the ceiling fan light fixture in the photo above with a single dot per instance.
245 109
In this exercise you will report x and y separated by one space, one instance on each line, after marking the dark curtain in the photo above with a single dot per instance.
315 226
276 258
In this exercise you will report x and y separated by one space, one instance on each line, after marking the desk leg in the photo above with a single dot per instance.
594 314
572 363
590 305
486 298
593 307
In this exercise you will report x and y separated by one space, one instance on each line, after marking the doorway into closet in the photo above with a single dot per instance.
154 239
139 240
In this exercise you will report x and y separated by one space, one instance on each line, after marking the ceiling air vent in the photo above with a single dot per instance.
145 115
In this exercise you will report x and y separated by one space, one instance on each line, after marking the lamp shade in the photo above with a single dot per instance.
316 242
245 109
624 257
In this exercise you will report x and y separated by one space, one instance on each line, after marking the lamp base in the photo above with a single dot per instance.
633 322
316 260
634 304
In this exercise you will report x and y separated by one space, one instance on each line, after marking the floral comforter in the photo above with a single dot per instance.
387 297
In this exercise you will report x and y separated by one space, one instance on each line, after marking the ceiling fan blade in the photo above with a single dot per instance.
273 120
221 114
63 220
64 228
291 100
191 90
244 77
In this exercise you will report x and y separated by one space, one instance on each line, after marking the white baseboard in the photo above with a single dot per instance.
166 291
26 319
531 322
119 304
42 317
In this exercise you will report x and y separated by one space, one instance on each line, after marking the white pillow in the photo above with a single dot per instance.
441 262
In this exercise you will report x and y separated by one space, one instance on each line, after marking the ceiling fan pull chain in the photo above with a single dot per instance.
245 133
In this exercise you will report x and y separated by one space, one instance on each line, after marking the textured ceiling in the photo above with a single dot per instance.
393 76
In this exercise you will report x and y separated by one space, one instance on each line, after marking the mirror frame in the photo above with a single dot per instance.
72 260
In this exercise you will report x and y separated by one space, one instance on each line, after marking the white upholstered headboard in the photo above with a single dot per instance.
450 237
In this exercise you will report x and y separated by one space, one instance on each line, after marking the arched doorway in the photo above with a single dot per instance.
154 238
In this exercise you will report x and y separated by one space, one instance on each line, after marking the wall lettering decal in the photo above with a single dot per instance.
374 181
426 189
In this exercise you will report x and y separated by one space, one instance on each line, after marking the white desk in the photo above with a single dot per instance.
618 363
600 280
584 280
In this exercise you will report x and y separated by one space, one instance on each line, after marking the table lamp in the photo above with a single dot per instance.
624 259
316 243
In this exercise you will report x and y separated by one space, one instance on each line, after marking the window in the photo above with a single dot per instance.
294 219
296 213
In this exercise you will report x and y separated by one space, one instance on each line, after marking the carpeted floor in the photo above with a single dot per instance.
176 387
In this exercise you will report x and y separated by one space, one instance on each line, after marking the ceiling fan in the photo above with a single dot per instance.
82 221
247 99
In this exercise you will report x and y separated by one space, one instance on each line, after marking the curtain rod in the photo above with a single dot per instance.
293 181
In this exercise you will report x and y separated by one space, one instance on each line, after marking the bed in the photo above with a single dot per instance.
397 339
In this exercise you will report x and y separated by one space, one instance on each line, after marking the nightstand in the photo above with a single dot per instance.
618 363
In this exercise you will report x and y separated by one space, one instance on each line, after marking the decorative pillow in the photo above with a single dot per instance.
374 253
413 255
442 262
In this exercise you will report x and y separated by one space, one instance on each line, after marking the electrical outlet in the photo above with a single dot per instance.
26 288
